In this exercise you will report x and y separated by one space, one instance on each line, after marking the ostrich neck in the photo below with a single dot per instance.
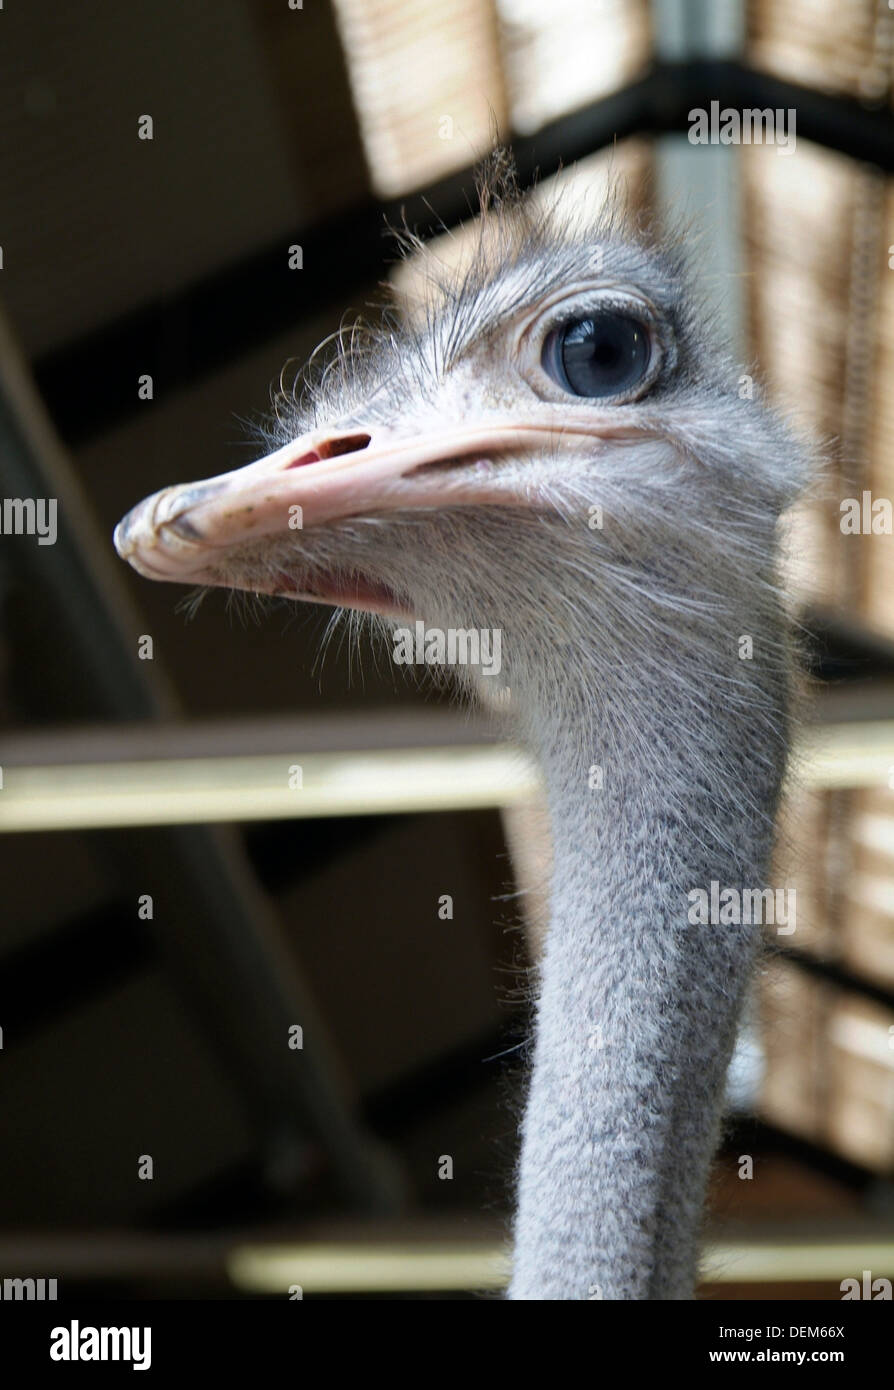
637 1009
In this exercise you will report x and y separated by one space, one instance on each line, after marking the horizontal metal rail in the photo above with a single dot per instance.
297 784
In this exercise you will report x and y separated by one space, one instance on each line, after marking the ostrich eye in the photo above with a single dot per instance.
605 354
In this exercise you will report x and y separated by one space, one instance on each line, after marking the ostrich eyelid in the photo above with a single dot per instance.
579 300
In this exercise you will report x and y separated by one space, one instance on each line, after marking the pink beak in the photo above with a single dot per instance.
184 533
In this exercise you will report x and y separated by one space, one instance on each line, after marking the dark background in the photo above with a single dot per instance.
121 1037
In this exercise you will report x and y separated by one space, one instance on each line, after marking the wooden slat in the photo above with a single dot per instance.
840 46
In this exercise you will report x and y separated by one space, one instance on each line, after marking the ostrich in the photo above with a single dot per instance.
558 449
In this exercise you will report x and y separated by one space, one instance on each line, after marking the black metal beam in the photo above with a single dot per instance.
90 384
751 1134
840 123
832 973
837 649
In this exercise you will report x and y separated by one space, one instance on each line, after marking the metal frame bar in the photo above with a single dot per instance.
88 384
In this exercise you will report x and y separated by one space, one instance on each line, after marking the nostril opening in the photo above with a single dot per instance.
344 444
331 448
184 528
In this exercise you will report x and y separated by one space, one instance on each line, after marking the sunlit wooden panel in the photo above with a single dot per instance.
582 188
812 228
859 1121
835 848
833 45
794 1014
808 833
800 230
427 83
867 911
560 56
829 1066
878 594
625 170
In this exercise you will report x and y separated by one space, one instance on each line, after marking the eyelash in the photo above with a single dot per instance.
566 310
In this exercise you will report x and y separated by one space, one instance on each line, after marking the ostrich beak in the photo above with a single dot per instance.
185 533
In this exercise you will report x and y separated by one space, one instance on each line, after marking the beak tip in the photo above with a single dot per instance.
120 538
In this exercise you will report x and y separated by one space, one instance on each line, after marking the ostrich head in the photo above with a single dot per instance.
557 449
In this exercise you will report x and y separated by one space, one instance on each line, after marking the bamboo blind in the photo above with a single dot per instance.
583 186
838 46
427 83
877 597
561 56
819 316
829 1066
432 83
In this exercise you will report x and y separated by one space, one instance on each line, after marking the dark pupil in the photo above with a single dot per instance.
602 356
